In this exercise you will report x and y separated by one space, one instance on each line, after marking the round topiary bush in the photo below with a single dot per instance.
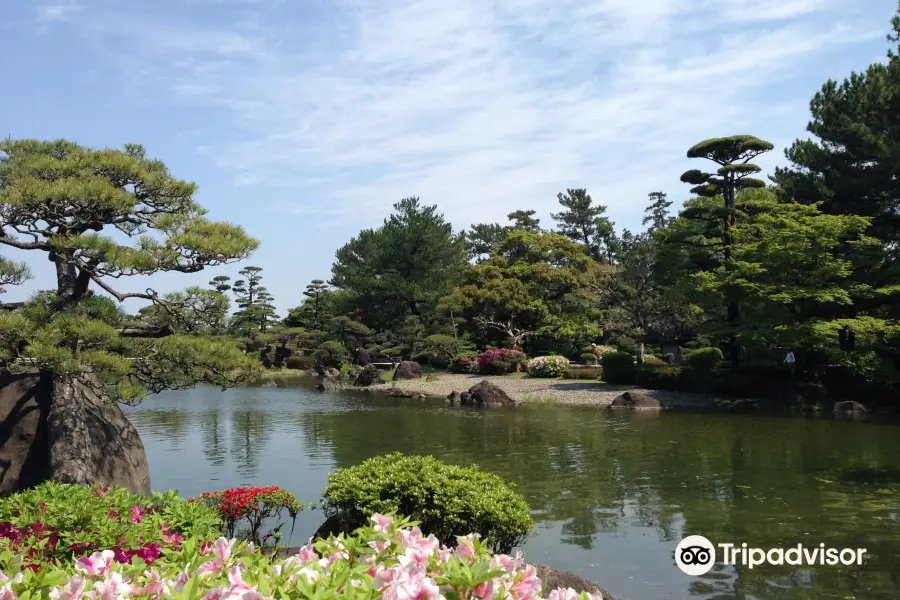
447 500
618 367
704 360
547 366
331 353
589 358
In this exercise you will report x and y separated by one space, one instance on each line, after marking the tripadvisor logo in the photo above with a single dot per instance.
695 555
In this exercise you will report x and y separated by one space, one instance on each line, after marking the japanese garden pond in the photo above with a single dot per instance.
611 493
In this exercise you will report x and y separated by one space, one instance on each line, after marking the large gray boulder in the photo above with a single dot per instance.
635 400
408 369
485 393
368 376
62 429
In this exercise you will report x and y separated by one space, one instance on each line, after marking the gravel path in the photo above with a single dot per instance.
526 390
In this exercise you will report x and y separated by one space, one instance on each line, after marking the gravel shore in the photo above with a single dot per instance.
528 391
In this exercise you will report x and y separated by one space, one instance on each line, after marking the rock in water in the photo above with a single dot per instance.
408 369
60 429
554 579
485 393
635 400
328 383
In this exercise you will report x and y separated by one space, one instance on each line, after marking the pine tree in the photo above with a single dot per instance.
584 222
657 212
733 155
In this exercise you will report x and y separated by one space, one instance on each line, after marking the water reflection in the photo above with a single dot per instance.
611 493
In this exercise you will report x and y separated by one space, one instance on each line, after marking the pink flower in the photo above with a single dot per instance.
529 587
380 546
71 591
215 594
486 590
136 515
112 588
413 559
466 546
155 586
236 579
382 522
7 593
307 553
182 579
96 564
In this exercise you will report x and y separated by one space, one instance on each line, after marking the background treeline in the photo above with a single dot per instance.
806 261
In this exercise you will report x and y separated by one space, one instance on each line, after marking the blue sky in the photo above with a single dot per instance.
305 120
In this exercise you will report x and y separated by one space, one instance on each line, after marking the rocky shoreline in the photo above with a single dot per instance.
536 391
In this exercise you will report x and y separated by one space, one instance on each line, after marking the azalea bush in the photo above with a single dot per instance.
391 560
251 511
466 362
547 366
54 521
495 361
447 500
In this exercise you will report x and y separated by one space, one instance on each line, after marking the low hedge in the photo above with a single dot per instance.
447 500
583 373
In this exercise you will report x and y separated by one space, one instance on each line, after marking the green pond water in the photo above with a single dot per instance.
611 493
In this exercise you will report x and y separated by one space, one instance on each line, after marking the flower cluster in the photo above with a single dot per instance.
599 351
465 362
499 361
54 522
388 560
252 506
547 366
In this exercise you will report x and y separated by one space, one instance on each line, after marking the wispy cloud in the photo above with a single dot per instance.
56 12
485 107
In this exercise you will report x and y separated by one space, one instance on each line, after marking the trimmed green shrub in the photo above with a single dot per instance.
627 344
589 358
300 363
704 360
618 367
666 377
331 353
547 366
583 373
447 500
54 521
653 361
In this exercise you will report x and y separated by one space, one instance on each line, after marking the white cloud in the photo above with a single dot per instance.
56 12
485 107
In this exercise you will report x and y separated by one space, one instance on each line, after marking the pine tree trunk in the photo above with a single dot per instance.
70 441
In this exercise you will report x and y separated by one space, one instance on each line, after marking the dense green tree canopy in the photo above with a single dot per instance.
98 216
402 268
